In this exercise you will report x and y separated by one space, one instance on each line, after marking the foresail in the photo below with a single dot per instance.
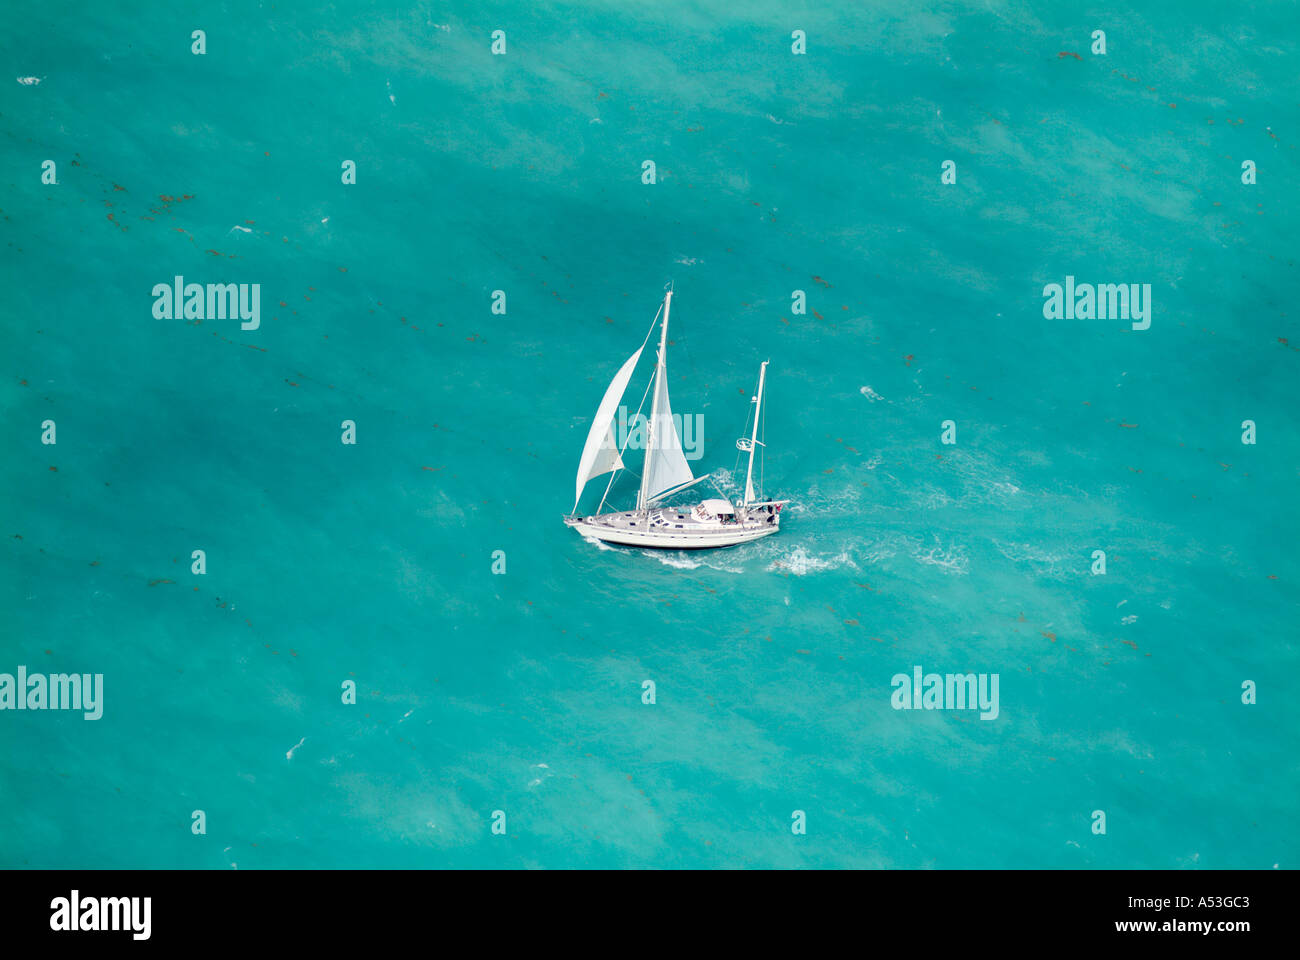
666 466
600 455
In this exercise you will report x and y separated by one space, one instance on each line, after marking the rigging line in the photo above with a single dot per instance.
652 325
686 352
626 441
744 430
614 473
717 489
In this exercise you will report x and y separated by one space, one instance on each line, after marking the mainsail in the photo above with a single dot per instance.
665 467
600 455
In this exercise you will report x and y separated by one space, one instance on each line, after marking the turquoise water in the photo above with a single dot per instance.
772 662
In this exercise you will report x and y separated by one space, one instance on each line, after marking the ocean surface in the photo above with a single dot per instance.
521 691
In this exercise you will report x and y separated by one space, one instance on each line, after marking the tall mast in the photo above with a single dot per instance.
753 442
660 371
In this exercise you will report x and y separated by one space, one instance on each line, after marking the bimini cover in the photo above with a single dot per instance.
716 508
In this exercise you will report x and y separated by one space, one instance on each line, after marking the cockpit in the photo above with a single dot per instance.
714 511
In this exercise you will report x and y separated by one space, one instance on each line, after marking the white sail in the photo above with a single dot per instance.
600 455
665 466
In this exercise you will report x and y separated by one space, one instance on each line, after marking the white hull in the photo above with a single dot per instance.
669 530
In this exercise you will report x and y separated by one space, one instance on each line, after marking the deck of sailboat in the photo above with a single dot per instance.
672 528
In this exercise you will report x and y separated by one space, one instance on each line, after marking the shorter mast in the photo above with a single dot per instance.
753 442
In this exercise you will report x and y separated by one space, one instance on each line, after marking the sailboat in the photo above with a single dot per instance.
713 522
